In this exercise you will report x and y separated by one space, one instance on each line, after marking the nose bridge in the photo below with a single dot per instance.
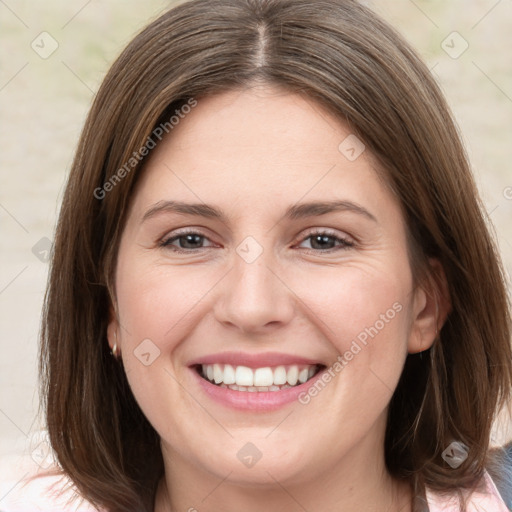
252 273
253 296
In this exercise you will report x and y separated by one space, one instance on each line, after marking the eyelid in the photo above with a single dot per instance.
326 231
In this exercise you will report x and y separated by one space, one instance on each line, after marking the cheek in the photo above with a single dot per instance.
157 304
364 313
156 311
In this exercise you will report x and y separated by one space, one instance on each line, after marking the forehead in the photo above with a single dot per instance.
268 121
257 148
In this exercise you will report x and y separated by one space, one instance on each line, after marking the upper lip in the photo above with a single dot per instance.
254 360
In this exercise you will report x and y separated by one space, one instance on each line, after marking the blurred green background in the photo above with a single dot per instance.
44 98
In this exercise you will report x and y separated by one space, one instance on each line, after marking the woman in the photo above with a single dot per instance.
272 285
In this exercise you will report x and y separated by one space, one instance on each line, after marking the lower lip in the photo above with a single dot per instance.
254 401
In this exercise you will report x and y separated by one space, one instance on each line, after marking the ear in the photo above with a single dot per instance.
431 306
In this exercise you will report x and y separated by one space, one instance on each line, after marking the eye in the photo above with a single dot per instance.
325 241
188 241
191 241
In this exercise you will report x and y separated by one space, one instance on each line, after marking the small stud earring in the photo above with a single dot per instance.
114 351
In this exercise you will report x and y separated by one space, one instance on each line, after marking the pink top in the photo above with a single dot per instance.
488 500
38 496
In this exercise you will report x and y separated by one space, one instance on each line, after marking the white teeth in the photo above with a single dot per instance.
292 376
263 377
303 375
280 376
229 375
218 374
243 378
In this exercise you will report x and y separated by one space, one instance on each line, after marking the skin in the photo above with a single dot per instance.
253 153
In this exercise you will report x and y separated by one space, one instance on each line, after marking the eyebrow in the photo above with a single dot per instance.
294 212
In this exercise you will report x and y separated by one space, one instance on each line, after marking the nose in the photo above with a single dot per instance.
254 296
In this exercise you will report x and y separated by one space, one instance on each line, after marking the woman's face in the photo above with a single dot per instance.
262 249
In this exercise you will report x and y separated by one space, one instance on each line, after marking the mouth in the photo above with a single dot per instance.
258 380
255 382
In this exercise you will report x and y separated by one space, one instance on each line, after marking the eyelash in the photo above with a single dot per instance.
344 242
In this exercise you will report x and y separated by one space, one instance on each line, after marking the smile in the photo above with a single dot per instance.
243 378
257 382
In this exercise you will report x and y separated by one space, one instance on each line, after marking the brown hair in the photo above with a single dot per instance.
341 55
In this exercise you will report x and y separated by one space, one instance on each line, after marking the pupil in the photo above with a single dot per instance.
322 239
192 239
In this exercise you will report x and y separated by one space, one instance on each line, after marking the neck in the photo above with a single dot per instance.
358 482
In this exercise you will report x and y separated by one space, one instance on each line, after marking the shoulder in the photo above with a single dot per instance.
486 498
